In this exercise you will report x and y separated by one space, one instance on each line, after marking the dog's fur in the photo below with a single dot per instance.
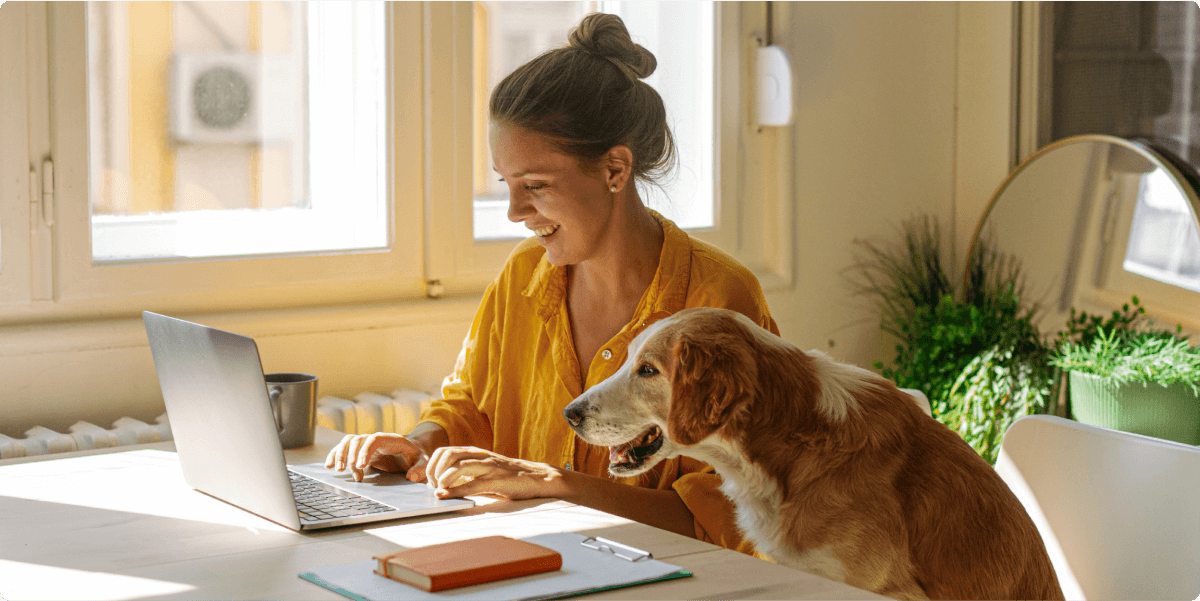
832 469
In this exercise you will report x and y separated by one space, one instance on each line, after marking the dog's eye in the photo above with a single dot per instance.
647 371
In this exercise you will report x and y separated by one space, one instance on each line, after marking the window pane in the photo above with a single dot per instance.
236 128
680 34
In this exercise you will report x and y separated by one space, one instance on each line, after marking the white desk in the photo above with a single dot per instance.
124 525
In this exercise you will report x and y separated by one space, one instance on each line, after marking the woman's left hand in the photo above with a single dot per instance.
461 471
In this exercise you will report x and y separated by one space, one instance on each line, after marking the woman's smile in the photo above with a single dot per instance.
545 231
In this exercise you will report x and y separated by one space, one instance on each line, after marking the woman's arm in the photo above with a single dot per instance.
461 471
660 508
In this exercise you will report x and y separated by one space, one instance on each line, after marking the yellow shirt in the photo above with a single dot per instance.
518 368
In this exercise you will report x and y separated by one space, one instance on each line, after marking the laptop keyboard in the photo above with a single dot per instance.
315 502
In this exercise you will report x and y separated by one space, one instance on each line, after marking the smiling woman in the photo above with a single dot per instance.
572 134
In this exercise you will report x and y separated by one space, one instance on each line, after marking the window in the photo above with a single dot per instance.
246 199
236 128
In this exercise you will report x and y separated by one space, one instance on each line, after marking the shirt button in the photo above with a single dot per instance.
568 466
607 354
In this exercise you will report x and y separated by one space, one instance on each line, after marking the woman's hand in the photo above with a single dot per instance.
461 471
382 451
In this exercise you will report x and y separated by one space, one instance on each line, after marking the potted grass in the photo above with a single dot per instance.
1125 374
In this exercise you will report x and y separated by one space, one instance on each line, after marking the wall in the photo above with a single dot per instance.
876 140
874 145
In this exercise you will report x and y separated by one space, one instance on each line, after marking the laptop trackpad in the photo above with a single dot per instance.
389 489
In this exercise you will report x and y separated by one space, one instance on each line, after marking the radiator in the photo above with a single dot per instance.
367 412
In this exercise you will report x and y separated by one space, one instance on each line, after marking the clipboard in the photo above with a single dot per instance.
590 564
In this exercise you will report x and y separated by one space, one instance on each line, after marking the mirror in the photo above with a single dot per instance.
1092 220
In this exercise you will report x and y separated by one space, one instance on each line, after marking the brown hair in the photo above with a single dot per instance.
588 96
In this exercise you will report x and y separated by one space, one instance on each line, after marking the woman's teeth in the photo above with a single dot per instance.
546 231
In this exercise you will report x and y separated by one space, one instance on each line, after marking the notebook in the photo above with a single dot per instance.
467 562
228 446
589 564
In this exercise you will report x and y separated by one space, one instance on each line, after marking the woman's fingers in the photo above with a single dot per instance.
385 451
445 457
337 455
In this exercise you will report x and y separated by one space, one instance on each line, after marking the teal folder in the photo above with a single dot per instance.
589 565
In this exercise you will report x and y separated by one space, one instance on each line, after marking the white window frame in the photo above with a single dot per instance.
753 220
79 287
15 179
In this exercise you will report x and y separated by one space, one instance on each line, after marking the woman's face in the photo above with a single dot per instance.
566 205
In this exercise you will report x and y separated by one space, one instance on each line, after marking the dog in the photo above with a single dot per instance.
831 468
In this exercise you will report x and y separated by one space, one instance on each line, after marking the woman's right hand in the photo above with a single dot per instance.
383 451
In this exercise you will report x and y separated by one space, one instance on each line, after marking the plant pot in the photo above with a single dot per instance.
1170 412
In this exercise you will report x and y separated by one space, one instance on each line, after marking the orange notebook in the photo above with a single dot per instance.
466 562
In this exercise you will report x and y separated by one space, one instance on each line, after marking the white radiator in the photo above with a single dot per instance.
367 412
83 436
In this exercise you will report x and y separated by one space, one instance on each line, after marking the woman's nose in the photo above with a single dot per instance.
519 208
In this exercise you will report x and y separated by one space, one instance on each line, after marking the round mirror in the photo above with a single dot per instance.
1090 221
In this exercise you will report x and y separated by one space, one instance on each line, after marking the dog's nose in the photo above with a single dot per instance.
574 415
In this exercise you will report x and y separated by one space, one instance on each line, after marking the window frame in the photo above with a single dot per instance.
81 287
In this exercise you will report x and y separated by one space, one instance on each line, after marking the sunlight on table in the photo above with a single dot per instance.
520 524
50 582
146 482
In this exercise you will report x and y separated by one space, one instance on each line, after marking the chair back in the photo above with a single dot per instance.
1119 512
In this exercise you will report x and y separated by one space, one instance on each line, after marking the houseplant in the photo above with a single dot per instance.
973 350
1128 375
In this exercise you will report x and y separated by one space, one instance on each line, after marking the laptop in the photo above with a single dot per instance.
228 446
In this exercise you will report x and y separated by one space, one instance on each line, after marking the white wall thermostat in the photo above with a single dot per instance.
773 73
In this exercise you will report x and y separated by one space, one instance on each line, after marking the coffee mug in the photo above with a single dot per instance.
294 402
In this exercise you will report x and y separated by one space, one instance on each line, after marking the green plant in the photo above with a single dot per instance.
975 352
1128 348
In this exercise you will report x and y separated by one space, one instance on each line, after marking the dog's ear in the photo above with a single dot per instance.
715 374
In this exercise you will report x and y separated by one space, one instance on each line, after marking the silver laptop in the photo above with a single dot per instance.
228 445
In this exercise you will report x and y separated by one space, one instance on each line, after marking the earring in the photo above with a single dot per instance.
613 189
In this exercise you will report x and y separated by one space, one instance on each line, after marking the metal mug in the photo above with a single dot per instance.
294 402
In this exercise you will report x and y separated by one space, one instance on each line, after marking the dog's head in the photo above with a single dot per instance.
685 379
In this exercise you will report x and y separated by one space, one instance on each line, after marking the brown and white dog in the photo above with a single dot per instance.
831 468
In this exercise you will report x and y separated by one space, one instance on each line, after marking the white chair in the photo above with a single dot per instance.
921 400
1119 512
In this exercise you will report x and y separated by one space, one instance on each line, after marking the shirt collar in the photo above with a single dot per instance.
666 294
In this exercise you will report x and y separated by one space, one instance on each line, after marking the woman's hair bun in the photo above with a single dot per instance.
605 35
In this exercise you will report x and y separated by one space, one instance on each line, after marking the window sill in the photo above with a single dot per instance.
36 339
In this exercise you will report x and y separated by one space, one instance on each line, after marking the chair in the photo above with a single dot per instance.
920 398
1119 512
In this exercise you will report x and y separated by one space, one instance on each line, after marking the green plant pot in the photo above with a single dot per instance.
1170 412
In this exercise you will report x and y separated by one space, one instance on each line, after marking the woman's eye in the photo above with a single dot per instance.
647 371
534 187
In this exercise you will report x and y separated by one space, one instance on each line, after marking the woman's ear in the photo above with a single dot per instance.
618 167
715 375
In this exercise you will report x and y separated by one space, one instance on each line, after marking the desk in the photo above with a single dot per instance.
124 525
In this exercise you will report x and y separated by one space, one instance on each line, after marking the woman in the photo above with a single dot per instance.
573 130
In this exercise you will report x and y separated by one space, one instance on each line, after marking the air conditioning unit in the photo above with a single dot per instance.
235 97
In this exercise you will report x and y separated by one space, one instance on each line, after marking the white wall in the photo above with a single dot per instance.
875 141
874 145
